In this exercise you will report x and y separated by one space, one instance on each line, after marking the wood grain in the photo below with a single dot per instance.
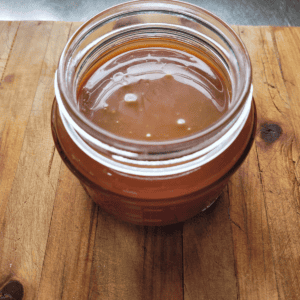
286 235
71 236
252 240
252 249
8 34
133 262
67 264
22 224
209 271
276 165
60 245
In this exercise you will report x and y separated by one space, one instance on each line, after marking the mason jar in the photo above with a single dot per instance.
154 181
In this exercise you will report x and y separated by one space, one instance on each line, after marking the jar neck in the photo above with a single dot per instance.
142 164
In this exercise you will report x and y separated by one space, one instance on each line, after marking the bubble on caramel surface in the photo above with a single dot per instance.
181 121
129 98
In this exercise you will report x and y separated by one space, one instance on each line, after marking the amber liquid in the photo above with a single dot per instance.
154 93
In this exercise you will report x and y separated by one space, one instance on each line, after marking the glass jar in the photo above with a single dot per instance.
154 182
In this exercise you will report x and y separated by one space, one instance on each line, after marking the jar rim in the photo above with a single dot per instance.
186 9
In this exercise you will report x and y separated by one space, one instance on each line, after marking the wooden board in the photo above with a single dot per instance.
59 245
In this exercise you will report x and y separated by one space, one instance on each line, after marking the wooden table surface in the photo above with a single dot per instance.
60 245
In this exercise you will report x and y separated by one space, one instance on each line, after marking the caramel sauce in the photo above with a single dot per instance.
154 93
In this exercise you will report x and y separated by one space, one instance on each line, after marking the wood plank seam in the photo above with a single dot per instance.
145 255
90 232
28 116
231 229
48 172
182 263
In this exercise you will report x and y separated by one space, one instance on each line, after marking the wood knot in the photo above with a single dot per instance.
12 290
270 132
9 78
